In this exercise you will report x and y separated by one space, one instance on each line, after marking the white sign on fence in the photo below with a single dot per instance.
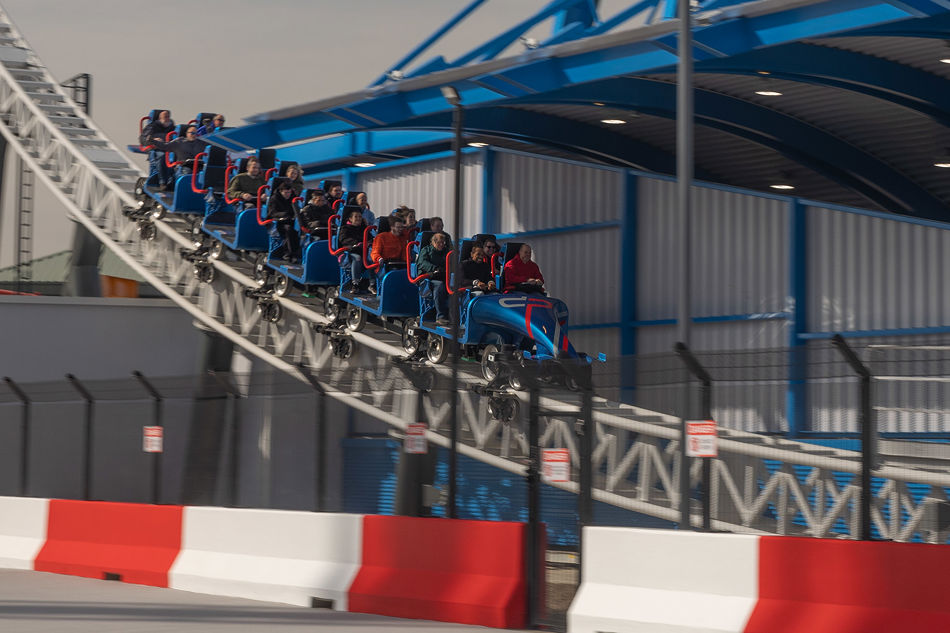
555 465
152 439
701 438
415 442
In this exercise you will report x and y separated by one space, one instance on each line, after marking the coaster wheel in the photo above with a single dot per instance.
331 303
438 349
216 250
261 272
412 342
282 285
355 319
490 368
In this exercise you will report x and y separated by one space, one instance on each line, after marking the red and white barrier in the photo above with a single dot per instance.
683 582
660 581
276 556
469 572
22 530
132 542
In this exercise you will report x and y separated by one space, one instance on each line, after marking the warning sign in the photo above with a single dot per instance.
701 438
152 437
555 465
415 442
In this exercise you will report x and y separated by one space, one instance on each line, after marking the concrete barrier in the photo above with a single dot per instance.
131 542
470 572
278 556
22 530
665 581
831 586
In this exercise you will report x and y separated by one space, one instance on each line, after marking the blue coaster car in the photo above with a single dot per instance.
509 330
395 296
227 221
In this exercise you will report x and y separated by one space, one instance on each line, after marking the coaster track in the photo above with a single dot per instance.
759 484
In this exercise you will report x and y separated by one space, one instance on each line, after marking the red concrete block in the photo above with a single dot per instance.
830 586
123 541
470 572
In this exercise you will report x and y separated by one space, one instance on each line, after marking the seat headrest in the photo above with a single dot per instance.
466 251
217 156
310 193
511 250
351 196
424 225
424 238
382 225
268 157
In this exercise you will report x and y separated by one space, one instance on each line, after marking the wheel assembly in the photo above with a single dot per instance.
490 364
412 336
331 304
438 349
260 269
147 231
355 319
282 285
216 250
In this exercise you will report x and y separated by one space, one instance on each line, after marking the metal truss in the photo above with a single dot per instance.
759 484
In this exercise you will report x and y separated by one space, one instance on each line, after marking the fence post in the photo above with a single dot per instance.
156 421
699 372
320 437
868 435
234 460
585 501
534 502
24 435
87 435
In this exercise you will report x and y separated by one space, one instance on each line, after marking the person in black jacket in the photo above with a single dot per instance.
351 237
315 215
280 208
476 270
185 148
158 130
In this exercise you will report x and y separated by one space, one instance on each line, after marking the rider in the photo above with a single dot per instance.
245 185
431 260
522 274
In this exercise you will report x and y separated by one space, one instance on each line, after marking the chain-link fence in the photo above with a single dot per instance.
826 440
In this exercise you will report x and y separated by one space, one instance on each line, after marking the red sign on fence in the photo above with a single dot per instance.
152 439
415 442
556 465
701 438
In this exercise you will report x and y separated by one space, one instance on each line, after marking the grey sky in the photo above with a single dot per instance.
239 57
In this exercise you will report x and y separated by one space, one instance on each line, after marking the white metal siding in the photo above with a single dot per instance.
429 188
867 273
537 193
739 259
581 269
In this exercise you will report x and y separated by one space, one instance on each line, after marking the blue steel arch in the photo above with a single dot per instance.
812 147
882 79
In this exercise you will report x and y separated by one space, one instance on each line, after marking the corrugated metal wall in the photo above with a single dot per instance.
863 273
868 273
739 259
534 193
429 188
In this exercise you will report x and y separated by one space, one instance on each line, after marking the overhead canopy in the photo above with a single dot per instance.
861 116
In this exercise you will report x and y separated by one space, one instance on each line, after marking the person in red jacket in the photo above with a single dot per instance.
522 274
390 245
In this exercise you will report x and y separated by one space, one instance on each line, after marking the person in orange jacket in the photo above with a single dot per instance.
390 245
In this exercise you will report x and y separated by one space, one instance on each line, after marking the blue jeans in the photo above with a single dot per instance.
157 166
356 266
441 297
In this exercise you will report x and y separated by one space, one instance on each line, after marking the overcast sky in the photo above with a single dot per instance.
239 57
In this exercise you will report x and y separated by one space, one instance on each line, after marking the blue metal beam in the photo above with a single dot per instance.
363 143
732 36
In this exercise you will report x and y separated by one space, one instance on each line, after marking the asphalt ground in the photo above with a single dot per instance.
37 602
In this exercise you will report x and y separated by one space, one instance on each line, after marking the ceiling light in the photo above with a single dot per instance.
613 121
943 163
768 93
782 187
945 60
477 144
598 103
365 164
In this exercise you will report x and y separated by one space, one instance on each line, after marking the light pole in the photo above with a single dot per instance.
452 96
684 175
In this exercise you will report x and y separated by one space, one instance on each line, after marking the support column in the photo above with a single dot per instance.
83 280
628 281
209 429
796 395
